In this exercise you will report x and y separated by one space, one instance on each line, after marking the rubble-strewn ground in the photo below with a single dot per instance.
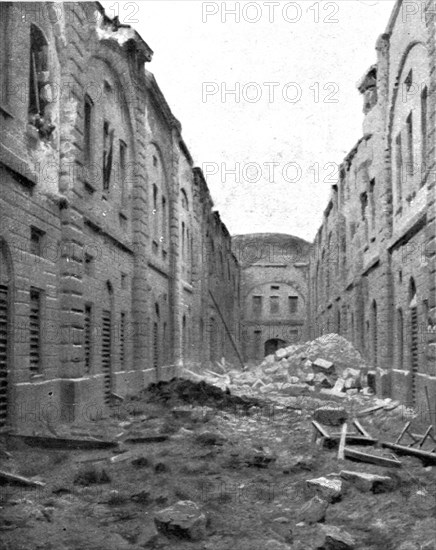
243 461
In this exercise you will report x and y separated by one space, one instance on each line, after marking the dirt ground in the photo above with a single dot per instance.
243 461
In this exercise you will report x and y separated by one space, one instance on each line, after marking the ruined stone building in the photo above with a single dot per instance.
373 271
114 268
274 292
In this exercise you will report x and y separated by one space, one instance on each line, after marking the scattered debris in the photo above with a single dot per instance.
368 482
183 520
330 416
7 477
360 456
336 539
328 489
314 510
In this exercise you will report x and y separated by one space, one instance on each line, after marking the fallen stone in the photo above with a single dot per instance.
322 381
309 378
294 380
340 384
271 370
294 390
353 391
328 489
321 365
210 439
280 354
330 415
368 482
336 539
313 511
183 520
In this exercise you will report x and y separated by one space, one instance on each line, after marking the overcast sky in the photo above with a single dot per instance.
296 112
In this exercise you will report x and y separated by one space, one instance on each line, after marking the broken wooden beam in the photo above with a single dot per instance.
351 439
353 454
370 410
361 429
64 442
7 477
158 438
426 456
342 442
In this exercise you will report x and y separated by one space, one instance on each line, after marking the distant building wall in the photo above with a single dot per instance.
274 289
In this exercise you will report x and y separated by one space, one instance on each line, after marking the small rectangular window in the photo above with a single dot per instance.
274 304
35 355
275 288
257 306
36 241
123 281
293 304
89 265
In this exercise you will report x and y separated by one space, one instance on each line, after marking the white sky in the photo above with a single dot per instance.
190 52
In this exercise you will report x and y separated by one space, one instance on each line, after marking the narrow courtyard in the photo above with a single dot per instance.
219 332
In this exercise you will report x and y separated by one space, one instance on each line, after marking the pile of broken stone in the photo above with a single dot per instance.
326 367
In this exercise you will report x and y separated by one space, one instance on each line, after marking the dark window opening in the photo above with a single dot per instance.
123 169
89 265
36 241
87 130
108 142
409 125
424 137
409 80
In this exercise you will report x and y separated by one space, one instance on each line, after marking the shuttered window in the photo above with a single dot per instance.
3 353
35 331
88 337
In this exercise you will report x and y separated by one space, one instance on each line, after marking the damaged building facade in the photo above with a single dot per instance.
373 270
114 268
274 292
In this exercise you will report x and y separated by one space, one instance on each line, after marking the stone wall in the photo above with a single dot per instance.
107 279
274 291
373 261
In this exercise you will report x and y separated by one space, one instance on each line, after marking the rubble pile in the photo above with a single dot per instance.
329 367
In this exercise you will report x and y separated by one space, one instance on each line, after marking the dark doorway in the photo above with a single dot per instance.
271 346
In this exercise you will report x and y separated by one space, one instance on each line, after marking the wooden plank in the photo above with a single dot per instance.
424 437
426 456
370 410
7 477
403 431
351 439
342 442
147 439
321 430
361 429
353 454
63 442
